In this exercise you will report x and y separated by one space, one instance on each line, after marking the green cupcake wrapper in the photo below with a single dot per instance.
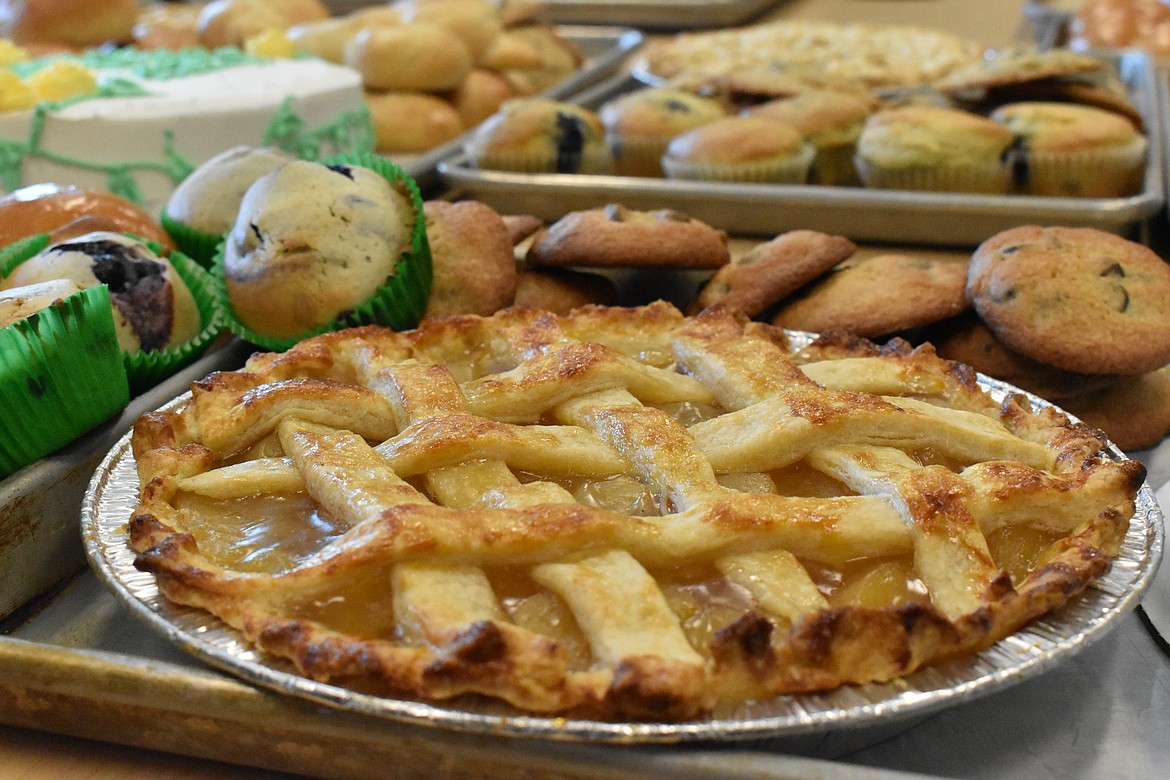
146 369
398 304
16 253
60 376
195 244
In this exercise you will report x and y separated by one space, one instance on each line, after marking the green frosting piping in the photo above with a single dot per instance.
347 131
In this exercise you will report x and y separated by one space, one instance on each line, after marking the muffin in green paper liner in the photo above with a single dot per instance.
274 293
61 375
147 366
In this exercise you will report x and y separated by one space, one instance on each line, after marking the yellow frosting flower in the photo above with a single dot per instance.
63 79
271 43
15 95
10 53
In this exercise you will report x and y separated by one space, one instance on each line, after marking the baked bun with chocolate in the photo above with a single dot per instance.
313 241
153 309
46 208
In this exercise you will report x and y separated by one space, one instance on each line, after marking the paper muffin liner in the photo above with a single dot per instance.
146 369
61 375
1098 173
792 170
195 244
637 156
991 178
401 300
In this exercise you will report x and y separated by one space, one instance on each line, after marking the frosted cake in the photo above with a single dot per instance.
150 117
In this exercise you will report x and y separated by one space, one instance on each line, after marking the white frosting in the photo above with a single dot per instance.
206 113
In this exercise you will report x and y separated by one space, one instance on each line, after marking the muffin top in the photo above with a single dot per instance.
1065 127
658 112
930 135
209 199
826 117
738 139
572 134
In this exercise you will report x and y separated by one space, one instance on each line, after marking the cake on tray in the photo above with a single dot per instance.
155 115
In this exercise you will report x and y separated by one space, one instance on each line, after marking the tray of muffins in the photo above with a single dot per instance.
1056 137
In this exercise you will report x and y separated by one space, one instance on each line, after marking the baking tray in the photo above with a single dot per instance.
895 216
39 544
657 14
605 49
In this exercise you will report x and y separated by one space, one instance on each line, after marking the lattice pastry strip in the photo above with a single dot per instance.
449 466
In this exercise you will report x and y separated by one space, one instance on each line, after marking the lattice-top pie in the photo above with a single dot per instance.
620 513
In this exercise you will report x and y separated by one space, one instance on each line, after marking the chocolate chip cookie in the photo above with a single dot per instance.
1076 298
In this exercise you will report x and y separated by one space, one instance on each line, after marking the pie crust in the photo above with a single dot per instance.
621 513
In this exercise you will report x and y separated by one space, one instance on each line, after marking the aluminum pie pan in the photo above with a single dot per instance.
112 496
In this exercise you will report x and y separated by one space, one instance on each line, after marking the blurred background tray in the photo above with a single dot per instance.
657 14
898 216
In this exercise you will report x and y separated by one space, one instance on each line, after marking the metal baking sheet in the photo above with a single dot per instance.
657 14
896 216
113 494
605 50
39 543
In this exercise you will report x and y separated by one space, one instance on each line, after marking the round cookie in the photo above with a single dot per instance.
970 341
1134 412
471 257
614 237
770 272
879 295
560 290
1079 299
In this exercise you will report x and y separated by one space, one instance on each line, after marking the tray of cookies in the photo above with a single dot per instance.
1005 176
657 14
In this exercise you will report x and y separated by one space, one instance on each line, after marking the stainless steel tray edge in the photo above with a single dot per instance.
657 14
144 702
943 219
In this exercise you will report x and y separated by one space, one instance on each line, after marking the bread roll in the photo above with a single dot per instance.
77 23
480 95
411 121
411 58
170 26
325 38
44 208
476 22
232 22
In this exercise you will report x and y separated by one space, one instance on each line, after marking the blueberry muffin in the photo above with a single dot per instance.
1068 150
639 125
740 149
539 135
934 149
313 241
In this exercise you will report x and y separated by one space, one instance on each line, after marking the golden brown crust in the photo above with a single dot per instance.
73 23
770 272
471 253
48 208
615 236
433 518
879 294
